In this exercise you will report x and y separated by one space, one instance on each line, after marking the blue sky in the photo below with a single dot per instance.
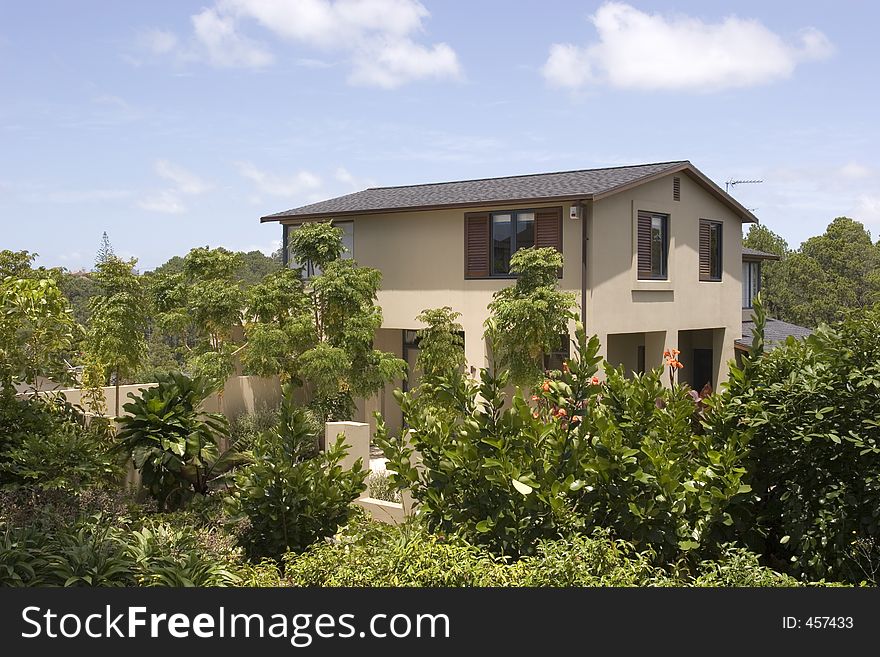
177 124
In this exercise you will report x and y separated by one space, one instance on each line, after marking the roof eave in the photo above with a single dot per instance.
311 216
743 212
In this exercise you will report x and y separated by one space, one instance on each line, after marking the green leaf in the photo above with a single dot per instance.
525 489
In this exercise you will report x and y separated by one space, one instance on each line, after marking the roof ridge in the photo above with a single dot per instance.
528 175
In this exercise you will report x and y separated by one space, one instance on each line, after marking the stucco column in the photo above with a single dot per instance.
357 438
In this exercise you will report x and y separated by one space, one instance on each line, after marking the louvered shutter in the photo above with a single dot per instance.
548 229
644 245
476 245
705 250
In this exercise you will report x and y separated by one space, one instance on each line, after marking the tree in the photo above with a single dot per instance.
198 308
441 347
37 330
529 318
321 329
116 334
105 250
829 275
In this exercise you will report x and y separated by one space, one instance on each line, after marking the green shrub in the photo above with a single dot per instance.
243 430
291 495
45 443
380 487
366 554
814 408
629 455
173 443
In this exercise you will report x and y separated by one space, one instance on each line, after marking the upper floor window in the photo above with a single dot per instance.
653 245
710 250
309 269
491 238
751 282
511 231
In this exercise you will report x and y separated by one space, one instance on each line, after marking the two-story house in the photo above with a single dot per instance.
652 252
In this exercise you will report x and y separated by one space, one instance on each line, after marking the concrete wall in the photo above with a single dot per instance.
241 395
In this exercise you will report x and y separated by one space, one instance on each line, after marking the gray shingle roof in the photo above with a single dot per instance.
564 184
754 254
775 333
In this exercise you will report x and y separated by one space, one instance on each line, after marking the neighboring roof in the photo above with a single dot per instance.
754 254
775 333
585 184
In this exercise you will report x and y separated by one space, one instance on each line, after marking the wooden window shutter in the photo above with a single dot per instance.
476 245
548 229
705 250
644 245
676 189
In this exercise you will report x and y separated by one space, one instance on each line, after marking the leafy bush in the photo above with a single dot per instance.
96 539
243 430
380 487
291 495
623 455
172 442
367 554
44 442
815 458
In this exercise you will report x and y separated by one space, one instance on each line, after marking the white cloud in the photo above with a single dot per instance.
854 170
638 50
356 184
392 64
184 181
164 201
292 185
376 36
158 42
222 43
867 209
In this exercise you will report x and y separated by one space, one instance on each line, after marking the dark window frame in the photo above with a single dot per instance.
716 257
664 269
513 233
753 267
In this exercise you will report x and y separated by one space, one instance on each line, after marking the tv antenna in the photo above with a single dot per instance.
732 183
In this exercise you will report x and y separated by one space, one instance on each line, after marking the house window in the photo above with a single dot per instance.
751 282
653 245
309 269
710 250
511 231
491 238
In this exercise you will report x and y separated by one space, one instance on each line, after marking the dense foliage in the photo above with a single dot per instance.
292 494
827 276
814 408
629 455
529 318
173 443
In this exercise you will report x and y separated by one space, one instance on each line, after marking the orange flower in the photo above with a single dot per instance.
546 386
535 415
595 380
563 412
575 419
666 354
535 398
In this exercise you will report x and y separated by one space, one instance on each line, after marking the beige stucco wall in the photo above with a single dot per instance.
617 302
421 257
